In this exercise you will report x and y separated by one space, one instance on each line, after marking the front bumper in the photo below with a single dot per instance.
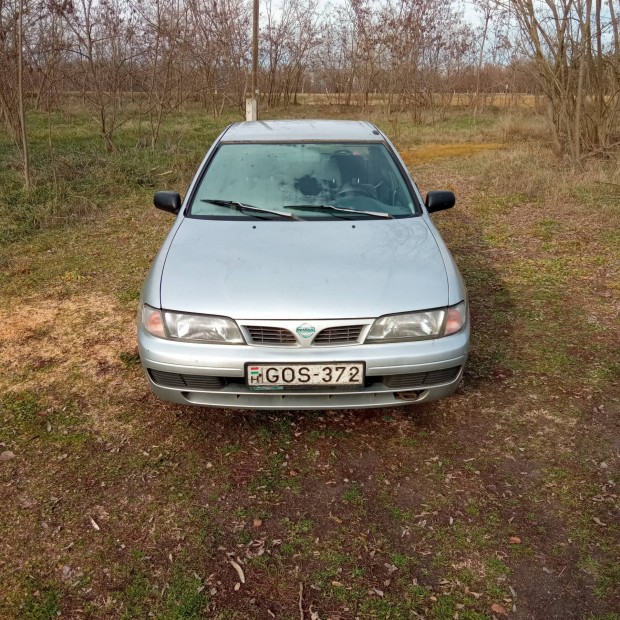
383 362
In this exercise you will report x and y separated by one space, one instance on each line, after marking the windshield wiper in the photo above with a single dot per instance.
242 206
338 209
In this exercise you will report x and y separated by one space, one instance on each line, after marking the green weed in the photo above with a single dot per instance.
42 603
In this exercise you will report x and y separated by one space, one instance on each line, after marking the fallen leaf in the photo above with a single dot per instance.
27 502
7 455
499 609
599 522
293 473
239 571
334 518
257 522
514 540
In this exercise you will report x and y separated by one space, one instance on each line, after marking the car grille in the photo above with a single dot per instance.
339 335
270 335
419 379
342 334
193 382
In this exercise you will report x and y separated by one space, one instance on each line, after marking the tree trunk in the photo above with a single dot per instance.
20 89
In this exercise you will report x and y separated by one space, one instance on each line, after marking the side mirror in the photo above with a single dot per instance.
439 200
168 201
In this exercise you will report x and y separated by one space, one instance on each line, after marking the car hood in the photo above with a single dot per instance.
330 269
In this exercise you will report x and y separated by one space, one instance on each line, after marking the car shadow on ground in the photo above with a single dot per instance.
490 302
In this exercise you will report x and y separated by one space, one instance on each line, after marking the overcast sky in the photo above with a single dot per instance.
465 6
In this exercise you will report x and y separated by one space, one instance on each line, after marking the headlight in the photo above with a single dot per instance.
192 327
418 325
202 328
412 326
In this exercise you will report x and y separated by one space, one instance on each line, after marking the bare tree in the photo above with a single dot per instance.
20 94
288 40
578 75
223 40
163 51
46 52
101 35
12 104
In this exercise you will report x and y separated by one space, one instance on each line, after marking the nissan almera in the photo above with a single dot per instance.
303 272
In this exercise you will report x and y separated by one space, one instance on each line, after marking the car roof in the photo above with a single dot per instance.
303 131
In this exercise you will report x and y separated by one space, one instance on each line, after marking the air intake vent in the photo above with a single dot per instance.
192 382
419 379
270 335
339 335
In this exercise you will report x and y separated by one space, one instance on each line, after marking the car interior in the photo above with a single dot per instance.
355 176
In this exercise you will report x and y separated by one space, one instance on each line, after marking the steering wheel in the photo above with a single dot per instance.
355 191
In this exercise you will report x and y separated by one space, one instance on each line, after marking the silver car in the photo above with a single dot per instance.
303 272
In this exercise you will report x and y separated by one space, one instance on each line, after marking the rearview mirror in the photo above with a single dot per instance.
168 201
439 200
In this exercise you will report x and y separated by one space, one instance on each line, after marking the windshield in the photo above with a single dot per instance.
361 177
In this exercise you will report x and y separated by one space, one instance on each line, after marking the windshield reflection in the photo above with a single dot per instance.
353 176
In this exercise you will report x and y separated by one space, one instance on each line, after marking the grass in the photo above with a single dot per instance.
76 179
41 603
378 514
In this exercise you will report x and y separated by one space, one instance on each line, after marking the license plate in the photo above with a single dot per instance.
277 376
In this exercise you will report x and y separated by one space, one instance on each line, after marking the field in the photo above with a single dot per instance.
500 501
459 100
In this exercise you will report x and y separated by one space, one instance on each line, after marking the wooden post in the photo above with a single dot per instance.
250 110
251 105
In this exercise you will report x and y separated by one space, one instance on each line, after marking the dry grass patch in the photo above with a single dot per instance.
431 152
85 334
70 349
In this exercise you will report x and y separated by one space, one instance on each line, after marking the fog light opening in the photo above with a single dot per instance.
408 396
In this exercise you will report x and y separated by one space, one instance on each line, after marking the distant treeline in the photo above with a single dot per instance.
163 53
